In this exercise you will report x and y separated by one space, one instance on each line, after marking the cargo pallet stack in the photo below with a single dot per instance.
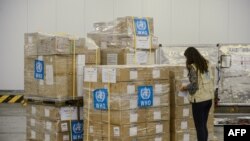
126 103
182 126
128 99
53 85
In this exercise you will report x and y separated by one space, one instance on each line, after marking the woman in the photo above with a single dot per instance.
200 90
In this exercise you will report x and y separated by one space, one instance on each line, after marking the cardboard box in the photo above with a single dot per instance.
65 136
58 77
177 97
116 131
32 134
93 129
34 110
183 136
35 123
122 56
125 73
62 113
158 127
158 114
47 44
182 124
122 131
180 112
158 137
129 102
129 88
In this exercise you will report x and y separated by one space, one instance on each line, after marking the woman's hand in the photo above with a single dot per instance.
183 88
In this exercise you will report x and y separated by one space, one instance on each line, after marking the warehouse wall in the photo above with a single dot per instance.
176 22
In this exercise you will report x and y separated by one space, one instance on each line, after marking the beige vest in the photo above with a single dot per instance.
206 86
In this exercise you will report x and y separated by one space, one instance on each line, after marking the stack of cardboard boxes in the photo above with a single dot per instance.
54 65
54 123
54 76
182 126
123 103
126 41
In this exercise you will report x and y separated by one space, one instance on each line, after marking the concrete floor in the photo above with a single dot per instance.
13 123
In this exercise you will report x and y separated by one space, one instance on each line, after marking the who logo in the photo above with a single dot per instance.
141 27
39 69
145 96
100 97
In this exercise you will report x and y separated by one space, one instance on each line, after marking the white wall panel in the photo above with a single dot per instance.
13 23
128 8
213 21
42 15
160 10
70 17
185 21
98 11
239 21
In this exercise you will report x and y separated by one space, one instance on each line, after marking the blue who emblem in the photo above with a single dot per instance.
101 99
141 27
145 96
77 130
39 69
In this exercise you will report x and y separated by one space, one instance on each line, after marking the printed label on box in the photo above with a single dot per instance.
64 127
112 59
158 139
156 73
133 117
143 42
184 125
133 75
30 39
186 137
116 131
47 137
91 129
39 69
65 137
133 131
159 128
32 122
186 101
130 59
141 26
68 113
108 75
33 134
48 125
145 96
133 103
185 112
100 99
157 115
131 89
47 112
157 101
77 130
141 57
158 88
49 75
90 75
81 60
33 110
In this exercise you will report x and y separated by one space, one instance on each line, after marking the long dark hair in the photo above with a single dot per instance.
193 56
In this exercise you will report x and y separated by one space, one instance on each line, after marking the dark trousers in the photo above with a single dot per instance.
200 115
